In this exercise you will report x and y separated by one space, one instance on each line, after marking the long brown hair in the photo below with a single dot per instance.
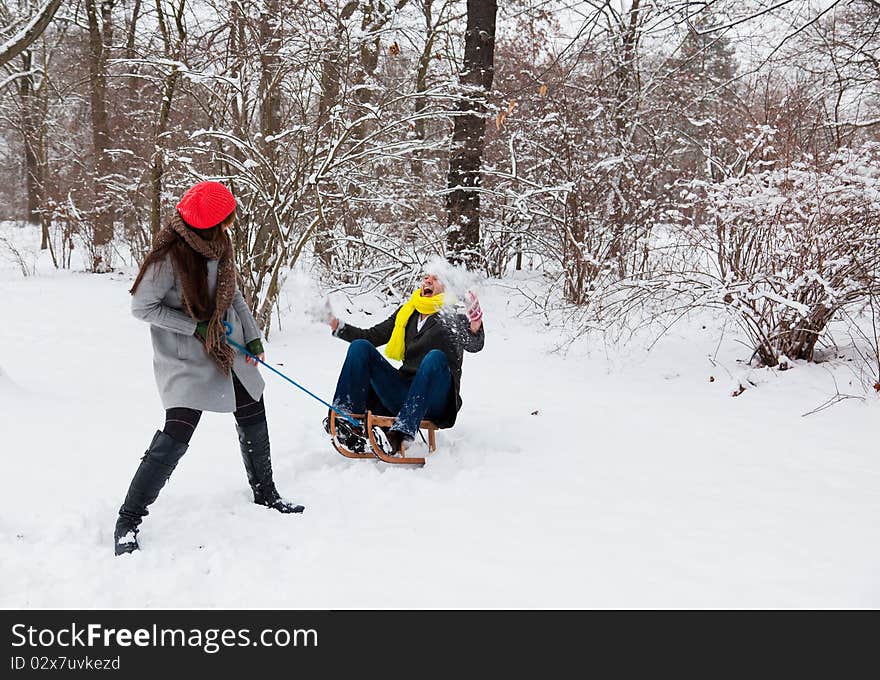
190 266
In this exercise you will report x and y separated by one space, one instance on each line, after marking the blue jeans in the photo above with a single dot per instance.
425 395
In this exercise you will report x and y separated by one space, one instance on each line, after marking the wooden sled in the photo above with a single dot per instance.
339 447
402 458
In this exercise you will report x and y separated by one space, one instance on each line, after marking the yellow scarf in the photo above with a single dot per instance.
425 305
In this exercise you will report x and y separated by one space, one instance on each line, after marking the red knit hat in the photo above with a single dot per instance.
206 205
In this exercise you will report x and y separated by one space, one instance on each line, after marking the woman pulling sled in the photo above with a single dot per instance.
186 290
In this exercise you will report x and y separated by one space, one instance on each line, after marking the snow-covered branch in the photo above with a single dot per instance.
29 33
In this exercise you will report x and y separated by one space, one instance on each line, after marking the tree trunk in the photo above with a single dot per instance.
626 83
333 63
158 167
270 94
265 249
375 15
157 170
422 85
134 83
330 86
368 60
32 141
469 134
98 35
331 66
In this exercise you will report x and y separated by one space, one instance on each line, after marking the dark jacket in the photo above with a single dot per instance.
446 330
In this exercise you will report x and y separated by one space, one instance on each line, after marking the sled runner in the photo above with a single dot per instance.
374 421
371 422
339 447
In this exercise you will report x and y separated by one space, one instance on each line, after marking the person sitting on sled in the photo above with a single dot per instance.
186 290
430 337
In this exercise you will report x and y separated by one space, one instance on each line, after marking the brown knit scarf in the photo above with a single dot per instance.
218 249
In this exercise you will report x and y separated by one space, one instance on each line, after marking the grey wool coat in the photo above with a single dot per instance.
185 374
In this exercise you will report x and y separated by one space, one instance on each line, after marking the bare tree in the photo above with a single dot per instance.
469 130
100 22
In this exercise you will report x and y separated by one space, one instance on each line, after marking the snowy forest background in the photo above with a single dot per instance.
662 205
646 158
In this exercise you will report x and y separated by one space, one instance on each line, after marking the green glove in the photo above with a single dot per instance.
202 330
255 347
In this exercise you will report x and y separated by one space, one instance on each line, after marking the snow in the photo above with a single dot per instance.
638 483
5 383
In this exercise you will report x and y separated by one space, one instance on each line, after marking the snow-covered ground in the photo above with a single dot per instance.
601 478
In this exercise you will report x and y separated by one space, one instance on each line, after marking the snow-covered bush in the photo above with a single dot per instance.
785 250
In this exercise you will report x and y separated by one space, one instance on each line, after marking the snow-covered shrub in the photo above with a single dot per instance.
785 250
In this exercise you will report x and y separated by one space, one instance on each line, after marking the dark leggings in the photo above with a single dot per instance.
180 423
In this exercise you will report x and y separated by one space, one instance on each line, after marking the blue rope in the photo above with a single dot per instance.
244 350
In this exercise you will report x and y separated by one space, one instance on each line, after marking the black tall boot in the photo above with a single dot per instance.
156 467
254 441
